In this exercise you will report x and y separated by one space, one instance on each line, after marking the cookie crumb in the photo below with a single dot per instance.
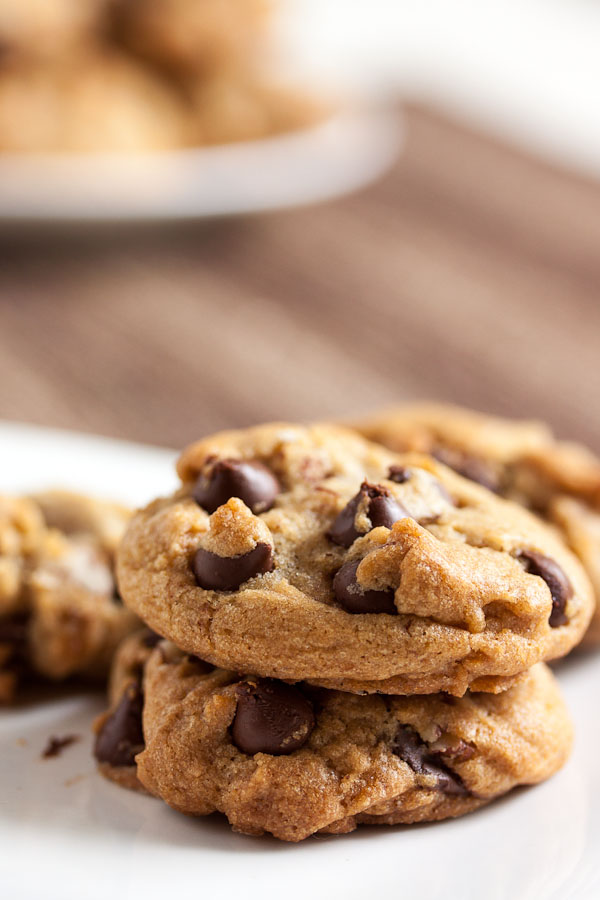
56 745
74 780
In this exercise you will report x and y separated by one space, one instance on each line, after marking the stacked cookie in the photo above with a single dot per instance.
340 634
60 614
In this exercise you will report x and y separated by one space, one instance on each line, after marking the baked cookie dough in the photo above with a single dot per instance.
97 100
294 760
190 36
60 614
311 554
120 76
119 735
520 460
240 105
47 29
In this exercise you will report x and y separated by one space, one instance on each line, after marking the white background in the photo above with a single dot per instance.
529 69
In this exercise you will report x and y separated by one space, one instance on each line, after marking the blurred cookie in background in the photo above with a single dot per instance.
45 29
191 36
95 101
80 76
60 613
234 105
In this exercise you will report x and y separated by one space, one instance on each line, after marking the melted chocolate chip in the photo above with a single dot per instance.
399 474
226 573
354 598
271 717
560 586
121 737
382 509
415 752
470 467
248 480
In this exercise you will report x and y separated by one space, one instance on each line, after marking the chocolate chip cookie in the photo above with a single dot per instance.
311 554
46 30
520 460
295 760
60 614
190 37
94 100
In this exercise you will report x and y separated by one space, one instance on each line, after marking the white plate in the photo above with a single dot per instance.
343 153
67 834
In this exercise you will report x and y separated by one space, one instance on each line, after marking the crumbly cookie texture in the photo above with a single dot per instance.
294 760
22 530
311 554
60 614
520 460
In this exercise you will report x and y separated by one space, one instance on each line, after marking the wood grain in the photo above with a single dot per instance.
471 273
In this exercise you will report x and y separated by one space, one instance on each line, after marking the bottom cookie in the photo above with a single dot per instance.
293 761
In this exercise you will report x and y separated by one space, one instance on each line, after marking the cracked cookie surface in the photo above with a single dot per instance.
295 760
60 614
311 554
520 460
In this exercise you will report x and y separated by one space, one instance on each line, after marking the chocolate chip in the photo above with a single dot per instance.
121 737
151 638
248 480
226 573
354 598
381 508
399 474
470 467
560 586
422 760
271 717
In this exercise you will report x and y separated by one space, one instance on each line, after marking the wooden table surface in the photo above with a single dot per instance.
471 273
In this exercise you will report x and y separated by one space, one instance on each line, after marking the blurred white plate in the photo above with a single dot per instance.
527 70
339 155
67 834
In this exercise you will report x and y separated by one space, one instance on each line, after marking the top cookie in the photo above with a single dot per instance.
520 460
309 553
